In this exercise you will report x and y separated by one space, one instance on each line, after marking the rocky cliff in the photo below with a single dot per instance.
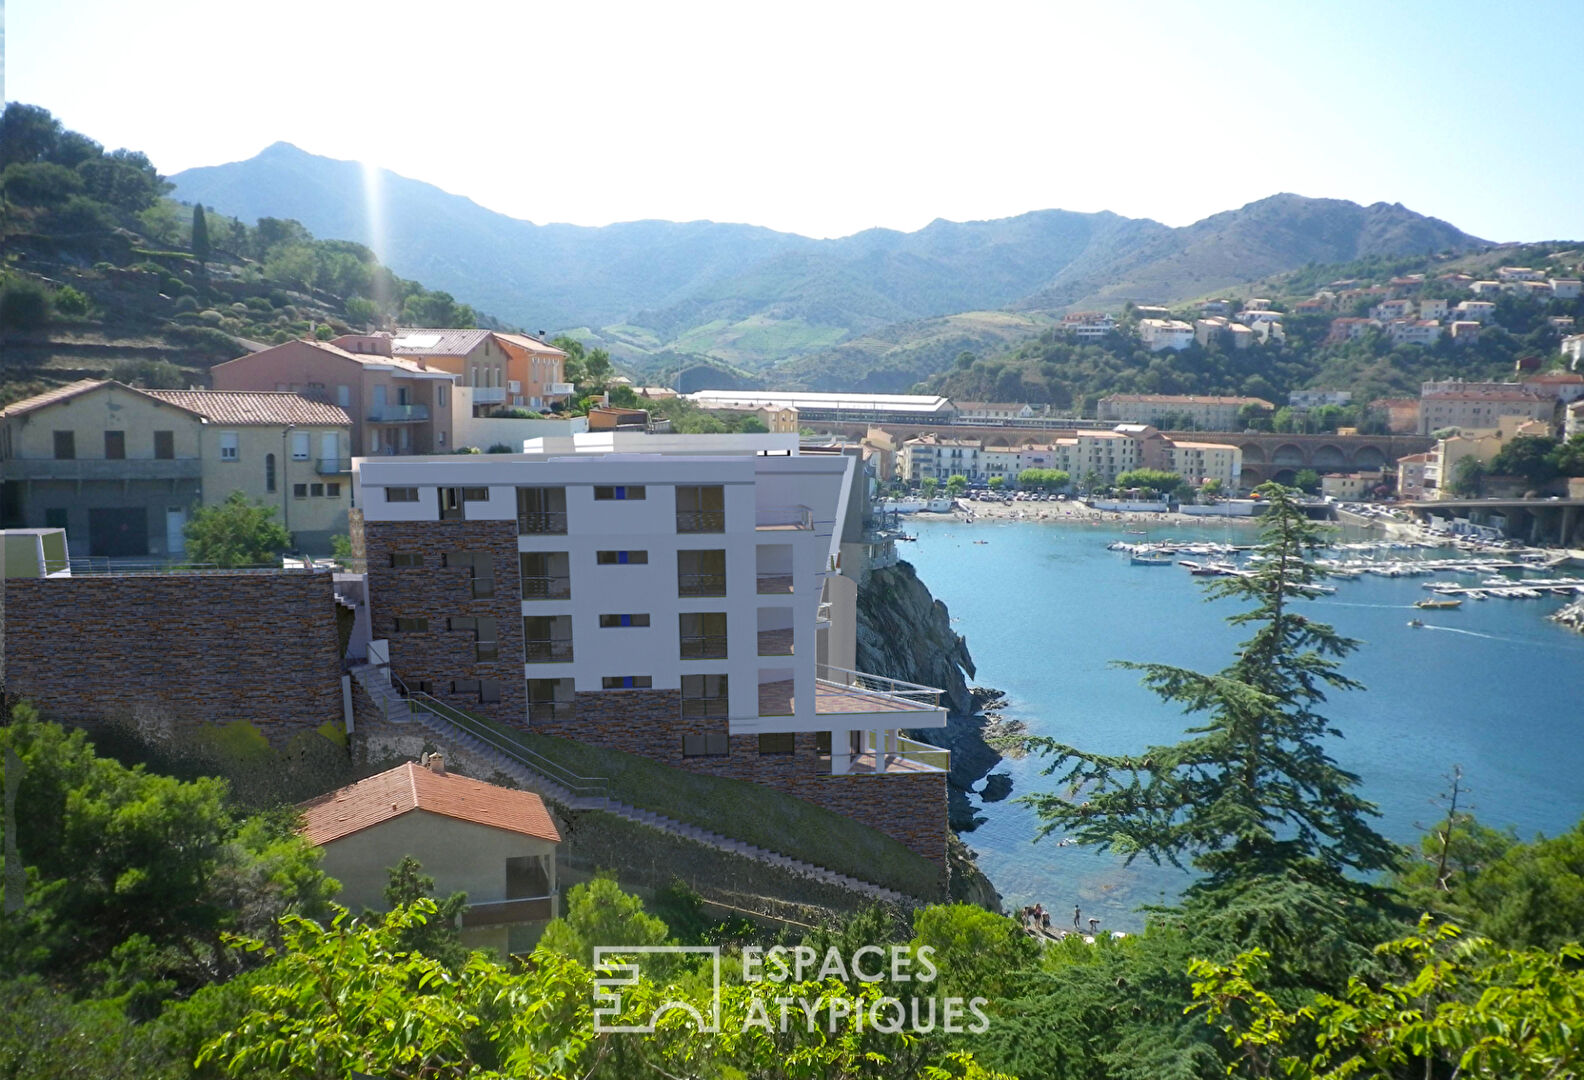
905 633
1570 616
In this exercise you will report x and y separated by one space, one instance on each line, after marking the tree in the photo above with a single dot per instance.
599 913
1092 481
1158 481
1468 476
235 533
1307 481
1211 487
24 305
1569 456
1532 457
436 936
200 235
150 374
956 484
997 483
1044 479
929 485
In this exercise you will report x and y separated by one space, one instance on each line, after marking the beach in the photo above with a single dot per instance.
1072 512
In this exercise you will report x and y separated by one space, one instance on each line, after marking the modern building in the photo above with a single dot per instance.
1480 311
496 844
1414 331
119 469
662 595
397 405
1314 399
1203 413
535 372
1088 324
281 449
1158 334
837 408
1200 462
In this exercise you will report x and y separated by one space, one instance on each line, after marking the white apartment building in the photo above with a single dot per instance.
1313 399
1197 462
1158 334
1519 273
1565 288
1387 310
667 595
1414 331
934 457
1479 311
1432 309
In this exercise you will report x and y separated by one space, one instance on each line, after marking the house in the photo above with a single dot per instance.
1464 331
1151 311
34 553
1158 334
1411 481
670 596
118 468
1240 336
1479 311
476 357
1485 288
1313 306
979 412
291 453
1573 349
1350 486
934 456
1519 273
1349 328
1088 324
1414 331
1216 306
1566 386
1565 323
1211 329
1256 303
1433 309
496 844
1255 316
1458 404
1535 290
397 405
1565 288
535 372
1265 331
1199 462
1387 310
1201 413
778 420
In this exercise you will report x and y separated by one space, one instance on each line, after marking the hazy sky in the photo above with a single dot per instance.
826 118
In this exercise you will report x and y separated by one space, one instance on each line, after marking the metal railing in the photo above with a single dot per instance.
541 522
522 909
704 647
915 695
332 466
559 388
919 753
690 583
547 588
701 521
103 564
783 517
488 395
547 650
397 414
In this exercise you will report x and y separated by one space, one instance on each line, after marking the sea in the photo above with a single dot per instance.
1492 687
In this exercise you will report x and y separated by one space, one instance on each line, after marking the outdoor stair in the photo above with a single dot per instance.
399 710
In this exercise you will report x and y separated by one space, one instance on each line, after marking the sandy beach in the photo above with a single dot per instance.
1076 513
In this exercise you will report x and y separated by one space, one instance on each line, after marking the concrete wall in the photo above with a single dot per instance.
198 648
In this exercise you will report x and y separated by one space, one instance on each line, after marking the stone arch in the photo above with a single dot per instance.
1286 476
1369 456
1287 454
1253 452
1329 456
1251 476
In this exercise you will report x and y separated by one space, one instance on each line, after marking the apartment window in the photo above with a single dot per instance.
299 445
701 573
546 575
406 558
401 494
228 446
704 695
782 742
165 445
701 508
541 510
452 504
440 400
479 564
269 472
626 682
483 629
547 639
489 691
620 492
344 396
405 625
621 558
705 746
299 491
332 491
65 445
608 622
475 494
316 490
550 699
464 686
115 445
702 635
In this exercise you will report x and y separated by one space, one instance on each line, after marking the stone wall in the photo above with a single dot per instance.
197 648
438 592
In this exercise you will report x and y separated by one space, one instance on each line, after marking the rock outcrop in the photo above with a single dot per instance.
905 633
1571 616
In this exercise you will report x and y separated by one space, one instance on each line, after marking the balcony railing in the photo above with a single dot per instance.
547 588
774 583
557 711
701 521
775 642
514 386
840 690
548 651
133 469
397 414
708 647
701 584
783 517
558 388
529 909
488 395
332 466
542 522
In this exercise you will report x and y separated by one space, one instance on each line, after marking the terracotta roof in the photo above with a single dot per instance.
1189 399
374 360
531 343
409 787
254 406
71 390
436 341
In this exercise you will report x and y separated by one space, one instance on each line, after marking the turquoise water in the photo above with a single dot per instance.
1491 686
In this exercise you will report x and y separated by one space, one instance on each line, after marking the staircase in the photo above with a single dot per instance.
572 792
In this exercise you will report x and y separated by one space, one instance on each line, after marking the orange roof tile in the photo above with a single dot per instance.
409 787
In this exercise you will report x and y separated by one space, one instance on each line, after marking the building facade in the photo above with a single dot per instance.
1481 405
1204 413
535 372
475 357
1159 334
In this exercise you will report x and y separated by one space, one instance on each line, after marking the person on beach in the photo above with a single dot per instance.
1094 924
1076 913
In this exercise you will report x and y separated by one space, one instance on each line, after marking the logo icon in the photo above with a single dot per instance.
614 974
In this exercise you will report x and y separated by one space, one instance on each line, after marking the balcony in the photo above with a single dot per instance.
133 469
893 754
541 522
859 700
398 414
701 584
529 909
775 642
773 583
557 389
551 711
332 466
780 518
547 588
488 395
548 650
707 647
701 521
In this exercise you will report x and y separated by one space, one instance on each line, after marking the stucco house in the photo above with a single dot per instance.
496 844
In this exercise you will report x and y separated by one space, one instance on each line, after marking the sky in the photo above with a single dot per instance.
828 118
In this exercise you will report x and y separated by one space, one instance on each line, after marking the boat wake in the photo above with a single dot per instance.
1509 639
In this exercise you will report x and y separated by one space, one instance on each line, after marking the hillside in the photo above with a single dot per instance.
856 311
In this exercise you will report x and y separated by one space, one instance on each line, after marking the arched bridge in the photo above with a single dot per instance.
1281 457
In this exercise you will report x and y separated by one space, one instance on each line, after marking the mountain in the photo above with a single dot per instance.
879 308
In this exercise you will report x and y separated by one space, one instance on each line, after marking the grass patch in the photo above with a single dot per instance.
745 811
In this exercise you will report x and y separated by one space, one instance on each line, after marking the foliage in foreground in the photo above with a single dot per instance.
237 532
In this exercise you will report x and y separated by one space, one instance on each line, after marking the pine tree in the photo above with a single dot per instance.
200 235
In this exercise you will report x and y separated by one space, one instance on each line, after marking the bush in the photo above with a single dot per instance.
68 301
501 448
280 337
204 338
185 304
83 216
40 184
210 317
323 332
259 304
24 305
150 374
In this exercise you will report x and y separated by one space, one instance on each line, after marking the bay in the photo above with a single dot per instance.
1492 686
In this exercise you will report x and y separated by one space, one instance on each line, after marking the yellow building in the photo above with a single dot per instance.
475 355
778 420
280 449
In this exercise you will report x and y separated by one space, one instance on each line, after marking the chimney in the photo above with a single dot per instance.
435 763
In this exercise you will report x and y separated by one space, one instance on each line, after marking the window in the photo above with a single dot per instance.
480 566
550 699
401 494
405 625
619 493
701 573
316 490
822 742
269 472
705 746
701 508
65 445
332 491
489 691
545 575
299 491
704 695
344 396
406 558
621 558
547 639
165 445
464 686
702 635
626 682
440 399
486 646
299 445
115 445
440 437
610 621
475 494
541 510
778 743
228 446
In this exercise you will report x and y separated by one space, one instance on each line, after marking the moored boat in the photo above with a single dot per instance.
1439 605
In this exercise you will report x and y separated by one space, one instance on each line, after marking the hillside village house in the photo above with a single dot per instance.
289 452
1204 413
120 470
778 420
535 372
669 596
1411 477
476 357
1479 311
1088 324
496 844
397 406
1158 334
1350 486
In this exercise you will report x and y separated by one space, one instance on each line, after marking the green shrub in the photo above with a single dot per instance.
323 332
501 448
186 303
259 304
239 309
280 337
204 338
82 216
24 305
40 184
210 317
68 301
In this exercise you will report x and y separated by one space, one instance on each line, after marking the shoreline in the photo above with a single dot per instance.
1073 513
